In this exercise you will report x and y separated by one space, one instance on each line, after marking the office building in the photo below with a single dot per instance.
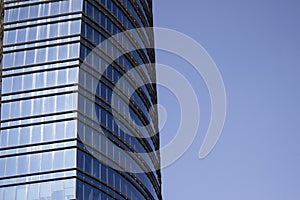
63 135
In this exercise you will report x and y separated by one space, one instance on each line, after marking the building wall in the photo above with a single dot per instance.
1 27
1 43
60 138
39 99
117 135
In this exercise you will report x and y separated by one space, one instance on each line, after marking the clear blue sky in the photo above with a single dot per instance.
256 46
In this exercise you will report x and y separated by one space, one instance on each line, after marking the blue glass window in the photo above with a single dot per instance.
23 163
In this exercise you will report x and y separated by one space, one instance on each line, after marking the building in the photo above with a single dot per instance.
1 27
63 136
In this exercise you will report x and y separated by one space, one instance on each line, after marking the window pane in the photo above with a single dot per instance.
45 191
70 158
13 138
33 192
21 193
23 162
34 163
63 52
58 160
21 35
57 190
69 189
10 166
47 161
9 193
32 33
24 135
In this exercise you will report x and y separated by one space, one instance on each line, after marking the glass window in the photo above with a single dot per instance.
19 58
70 101
34 163
81 103
96 195
30 56
23 14
79 190
33 13
24 135
69 158
41 55
54 8
57 190
69 189
88 164
45 192
21 192
103 173
42 31
48 104
21 35
37 106
2 164
51 78
76 5
63 29
7 82
47 161
88 83
70 129
62 76
88 135
96 140
59 131
74 50
26 108
39 77
32 33
11 166
64 6
17 83
103 144
6 61
36 134
44 9
72 76
88 192
33 192
28 80
15 109
10 37
4 134
23 164
57 161
13 138
8 15
63 52
95 168
9 193
60 103
80 160
52 53
53 30
48 132
75 27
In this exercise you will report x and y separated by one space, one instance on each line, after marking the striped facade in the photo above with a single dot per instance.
63 135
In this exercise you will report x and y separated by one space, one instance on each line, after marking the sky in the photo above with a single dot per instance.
256 47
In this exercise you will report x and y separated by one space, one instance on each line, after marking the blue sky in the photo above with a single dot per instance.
256 46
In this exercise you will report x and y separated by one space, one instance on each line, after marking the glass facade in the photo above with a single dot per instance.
63 135
1 28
